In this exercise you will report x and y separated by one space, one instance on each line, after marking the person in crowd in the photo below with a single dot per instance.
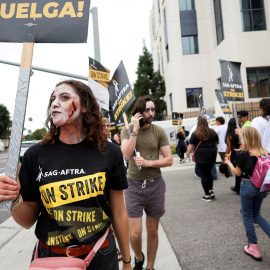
204 141
106 127
262 123
59 176
233 143
117 139
243 118
146 189
197 171
181 147
251 198
221 131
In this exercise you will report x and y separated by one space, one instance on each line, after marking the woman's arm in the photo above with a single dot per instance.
237 171
120 224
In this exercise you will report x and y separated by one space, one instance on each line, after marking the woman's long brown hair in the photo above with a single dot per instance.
92 118
202 131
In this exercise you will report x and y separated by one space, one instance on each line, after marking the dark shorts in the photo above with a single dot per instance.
145 195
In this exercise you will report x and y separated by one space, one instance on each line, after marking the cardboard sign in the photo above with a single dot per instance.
223 102
109 115
231 82
121 93
211 119
98 81
120 123
177 118
201 105
44 21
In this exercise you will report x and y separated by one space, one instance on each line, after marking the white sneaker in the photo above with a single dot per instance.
187 160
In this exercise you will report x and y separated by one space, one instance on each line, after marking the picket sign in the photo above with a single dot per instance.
18 118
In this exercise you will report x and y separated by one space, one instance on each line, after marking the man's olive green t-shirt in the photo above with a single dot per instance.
149 141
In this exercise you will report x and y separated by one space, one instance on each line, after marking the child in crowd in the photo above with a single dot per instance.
250 196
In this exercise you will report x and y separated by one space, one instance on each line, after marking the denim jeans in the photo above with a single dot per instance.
213 171
251 200
105 259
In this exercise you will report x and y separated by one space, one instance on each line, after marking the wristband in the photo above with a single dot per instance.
133 133
17 204
128 261
17 198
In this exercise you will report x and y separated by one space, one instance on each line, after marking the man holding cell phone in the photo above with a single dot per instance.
146 191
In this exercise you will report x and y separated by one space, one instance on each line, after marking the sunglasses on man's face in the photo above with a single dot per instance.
239 116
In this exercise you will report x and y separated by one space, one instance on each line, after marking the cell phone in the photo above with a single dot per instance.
142 121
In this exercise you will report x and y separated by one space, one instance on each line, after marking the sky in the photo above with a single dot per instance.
123 27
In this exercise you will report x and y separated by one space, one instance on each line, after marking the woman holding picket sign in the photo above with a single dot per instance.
250 196
72 184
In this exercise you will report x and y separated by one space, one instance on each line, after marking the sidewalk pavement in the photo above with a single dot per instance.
16 246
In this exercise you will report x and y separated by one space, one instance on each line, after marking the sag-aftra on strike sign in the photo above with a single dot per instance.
59 21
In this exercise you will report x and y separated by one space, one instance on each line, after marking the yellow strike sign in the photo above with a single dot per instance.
99 75
50 10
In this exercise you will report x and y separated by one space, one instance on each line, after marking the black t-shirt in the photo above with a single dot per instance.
207 150
246 163
71 182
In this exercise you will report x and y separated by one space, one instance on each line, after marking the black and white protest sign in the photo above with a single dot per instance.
201 105
177 118
121 93
120 123
46 21
211 119
98 81
231 82
109 115
223 102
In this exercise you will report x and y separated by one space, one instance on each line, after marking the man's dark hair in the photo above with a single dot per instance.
265 106
221 120
243 113
140 104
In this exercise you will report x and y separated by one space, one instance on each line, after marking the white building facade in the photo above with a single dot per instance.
188 37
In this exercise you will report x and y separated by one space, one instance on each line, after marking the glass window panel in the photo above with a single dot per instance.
195 44
247 25
264 81
252 86
257 4
220 36
245 4
190 4
192 100
217 13
182 5
185 45
258 20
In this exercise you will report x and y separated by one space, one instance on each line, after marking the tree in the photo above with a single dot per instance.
4 120
36 135
149 82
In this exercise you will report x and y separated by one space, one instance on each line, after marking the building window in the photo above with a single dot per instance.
171 101
190 45
168 54
253 16
219 21
186 5
192 97
258 81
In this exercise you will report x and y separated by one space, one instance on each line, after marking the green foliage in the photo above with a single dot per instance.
149 82
173 149
5 121
36 135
